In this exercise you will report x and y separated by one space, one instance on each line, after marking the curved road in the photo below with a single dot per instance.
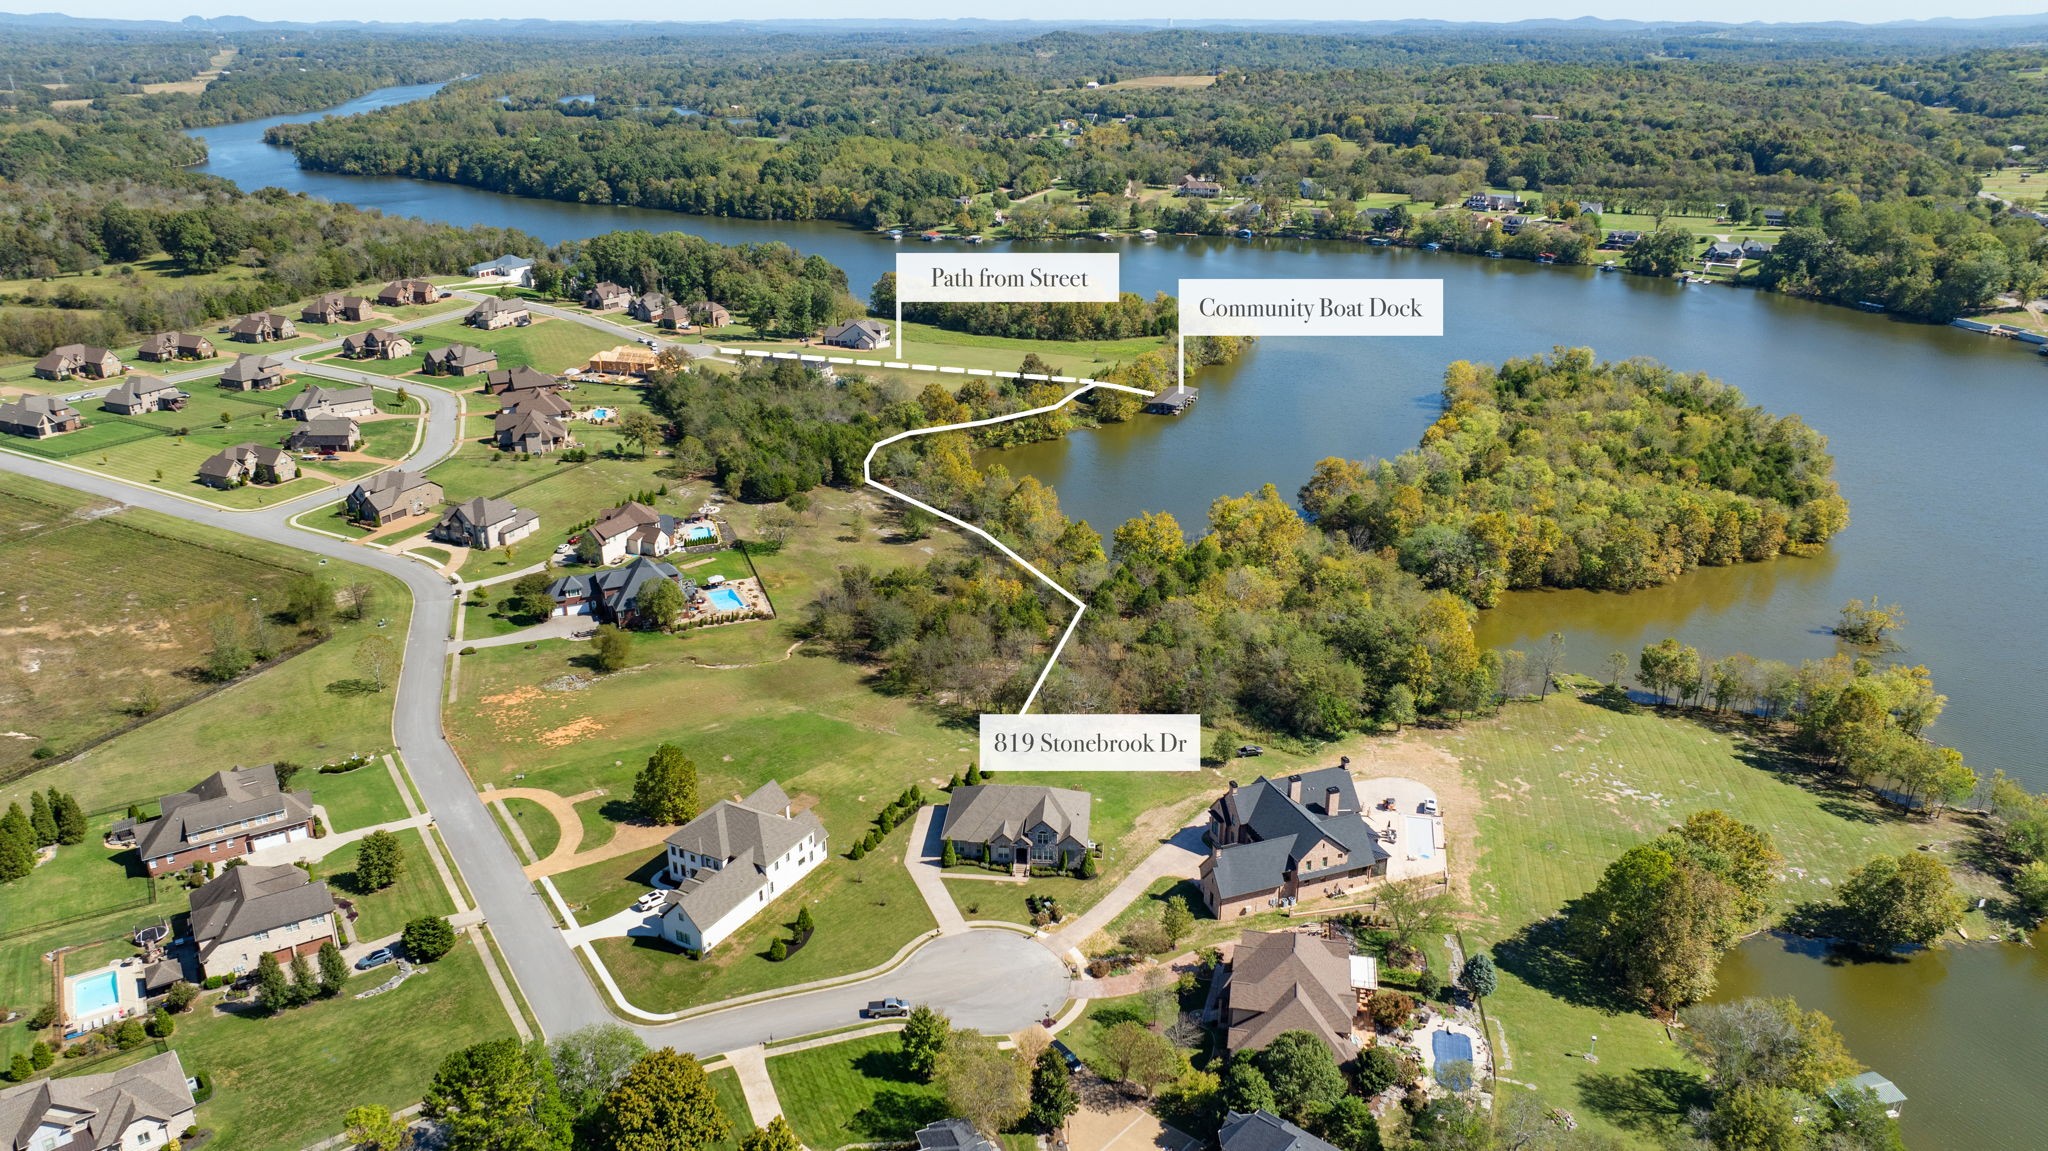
991 980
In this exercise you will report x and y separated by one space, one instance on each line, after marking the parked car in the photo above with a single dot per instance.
377 958
1427 807
1249 750
648 900
890 1008
1067 1055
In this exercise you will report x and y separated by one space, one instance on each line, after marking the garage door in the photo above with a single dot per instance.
297 833
275 839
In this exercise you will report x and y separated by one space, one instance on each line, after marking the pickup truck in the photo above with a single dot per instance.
890 1008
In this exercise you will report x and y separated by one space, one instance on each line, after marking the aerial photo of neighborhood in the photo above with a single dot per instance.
1193 579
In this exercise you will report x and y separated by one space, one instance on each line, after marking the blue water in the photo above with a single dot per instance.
1450 1047
92 994
726 599
697 532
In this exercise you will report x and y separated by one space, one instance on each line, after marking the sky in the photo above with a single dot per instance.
1862 11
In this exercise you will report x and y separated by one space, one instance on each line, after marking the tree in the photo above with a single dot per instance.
179 998
641 428
333 970
371 1127
309 602
1547 663
40 820
778 950
949 856
1053 1099
1866 624
805 923
273 989
777 1136
21 1070
1390 1009
981 1083
1305 1077
1664 252
1245 1087
665 1102
665 791
1758 1118
305 985
1767 1043
1349 1125
1413 911
924 1038
1891 902
1480 977
428 938
611 648
1176 919
376 655
1139 1056
590 1061
1088 868
161 1025
498 1095
2030 887
380 860
658 605
1452 1123
530 599
1670 668
228 657
1378 1069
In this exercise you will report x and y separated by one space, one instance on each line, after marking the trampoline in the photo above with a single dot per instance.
1452 1047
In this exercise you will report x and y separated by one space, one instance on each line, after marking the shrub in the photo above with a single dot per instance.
428 938
161 1025
1389 1010
41 1056
1429 984
179 998
130 1034
778 951
215 982
43 1017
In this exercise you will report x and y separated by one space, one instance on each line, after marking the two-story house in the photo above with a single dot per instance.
1018 825
1279 840
225 815
251 911
729 863
142 1106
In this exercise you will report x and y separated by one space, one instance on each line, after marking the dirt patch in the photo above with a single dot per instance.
570 732
1413 756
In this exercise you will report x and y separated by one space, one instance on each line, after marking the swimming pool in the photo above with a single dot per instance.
1421 837
600 413
726 599
94 993
698 533
1452 1047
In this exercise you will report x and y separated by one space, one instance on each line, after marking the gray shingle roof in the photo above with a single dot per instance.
747 835
952 1135
152 1089
223 798
1265 1131
1004 811
1264 808
250 899
251 366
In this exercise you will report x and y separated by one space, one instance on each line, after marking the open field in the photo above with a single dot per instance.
328 1056
1200 80
864 913
548 344
1568 786
925 344
2021 185
853 1092
565 495
301 710
417 892
109 608
84 879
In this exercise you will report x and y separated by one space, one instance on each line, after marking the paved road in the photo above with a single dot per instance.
992 981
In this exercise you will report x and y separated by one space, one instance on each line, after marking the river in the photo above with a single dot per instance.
1936 435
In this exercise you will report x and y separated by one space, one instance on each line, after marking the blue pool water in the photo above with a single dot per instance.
600 413
1450 1047
92 994
698 532
726 599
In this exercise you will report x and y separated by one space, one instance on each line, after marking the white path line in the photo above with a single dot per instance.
867 474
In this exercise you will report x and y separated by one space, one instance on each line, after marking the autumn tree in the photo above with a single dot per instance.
982 1083
1894 901
372 1127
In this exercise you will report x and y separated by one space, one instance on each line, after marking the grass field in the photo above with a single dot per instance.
550 345
109 607
285 1081
537 823
565 495
2021 185
290 712
732 1102
417 892
924 344
360 798
864 911
858 1091
1569 785
84 879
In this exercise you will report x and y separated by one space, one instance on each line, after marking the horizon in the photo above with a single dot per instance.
1207 13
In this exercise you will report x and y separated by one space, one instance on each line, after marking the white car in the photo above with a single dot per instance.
649 901
1428 807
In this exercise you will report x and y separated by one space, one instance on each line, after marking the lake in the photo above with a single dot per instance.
1936 433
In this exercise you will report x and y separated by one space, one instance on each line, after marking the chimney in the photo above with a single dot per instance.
1294 788
1233 785
1333 801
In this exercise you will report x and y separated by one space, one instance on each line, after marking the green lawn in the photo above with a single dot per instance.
853 1092
132 625
360 798
550 345
1568 785
293 711
865 912
732 1102
565 495
285 1081
83 879
538 824
26 978
417 892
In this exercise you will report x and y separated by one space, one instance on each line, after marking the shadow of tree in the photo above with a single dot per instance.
895 1114
1541 956
887 1064
620 810
1646 1099
353 687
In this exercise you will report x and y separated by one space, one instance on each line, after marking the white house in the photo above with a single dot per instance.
732 861
512 269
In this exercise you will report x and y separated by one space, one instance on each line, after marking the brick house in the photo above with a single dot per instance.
83 360
1280 840
226 815
250 911
175 346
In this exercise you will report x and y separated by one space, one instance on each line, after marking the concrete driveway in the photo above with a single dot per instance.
1179 857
